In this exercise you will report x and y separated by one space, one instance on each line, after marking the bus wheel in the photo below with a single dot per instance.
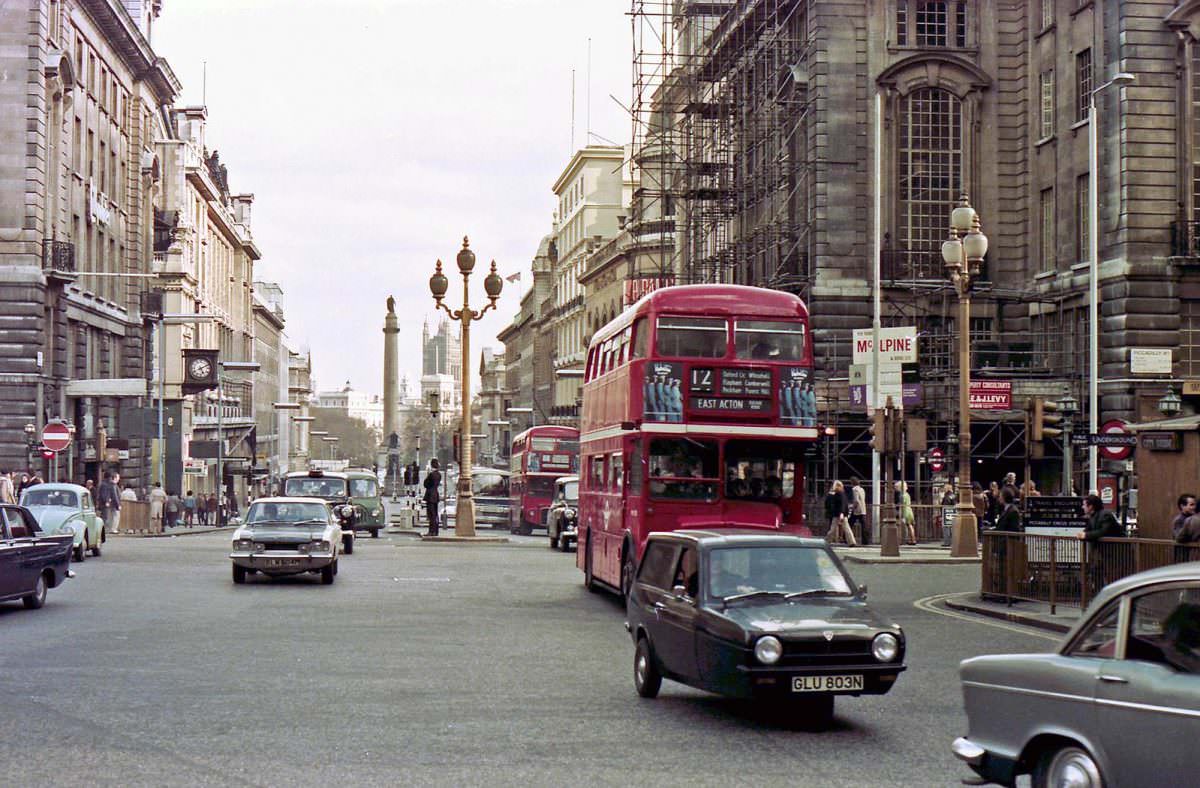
589 580
627 572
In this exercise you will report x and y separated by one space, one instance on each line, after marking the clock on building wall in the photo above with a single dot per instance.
199 370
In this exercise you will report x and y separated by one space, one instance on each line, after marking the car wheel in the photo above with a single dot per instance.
327 573
239 574
335 566
374 533
348 546
96 546
1071 765
646 678
80 554
38 597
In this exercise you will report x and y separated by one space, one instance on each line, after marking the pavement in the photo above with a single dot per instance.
178 530
1031 614
909 554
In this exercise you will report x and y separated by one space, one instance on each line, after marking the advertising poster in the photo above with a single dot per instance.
662 397
797 398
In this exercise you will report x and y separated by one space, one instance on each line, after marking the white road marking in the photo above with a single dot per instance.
929 605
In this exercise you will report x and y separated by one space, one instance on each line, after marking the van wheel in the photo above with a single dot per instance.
646 678
566 544
374 533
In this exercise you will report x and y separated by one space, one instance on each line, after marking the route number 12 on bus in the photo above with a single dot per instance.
698 411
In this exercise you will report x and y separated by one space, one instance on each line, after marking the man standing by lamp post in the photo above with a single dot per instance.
464 519
963 254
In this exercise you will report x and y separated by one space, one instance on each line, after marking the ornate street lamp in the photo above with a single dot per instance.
963 254
1170 405
464 520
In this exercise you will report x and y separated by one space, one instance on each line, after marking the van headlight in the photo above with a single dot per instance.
374 512
569 514
885 647
768 650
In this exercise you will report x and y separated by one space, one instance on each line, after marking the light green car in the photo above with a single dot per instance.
63 508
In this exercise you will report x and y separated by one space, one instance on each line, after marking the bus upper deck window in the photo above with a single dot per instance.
769 340
691 337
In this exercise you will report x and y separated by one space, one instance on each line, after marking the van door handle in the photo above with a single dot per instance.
1113 679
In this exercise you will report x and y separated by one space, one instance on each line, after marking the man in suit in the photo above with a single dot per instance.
1102 524
433 482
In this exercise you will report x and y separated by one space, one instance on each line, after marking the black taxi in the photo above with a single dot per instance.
749 614
331 487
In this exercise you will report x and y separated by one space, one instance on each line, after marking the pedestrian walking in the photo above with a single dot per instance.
171 509
858 510
108 502
157 499
433 481
189 509
836 507
1102 524
1187 507
907 516
8 493
210 509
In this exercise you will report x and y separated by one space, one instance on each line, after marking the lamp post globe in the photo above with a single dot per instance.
466 258
438 283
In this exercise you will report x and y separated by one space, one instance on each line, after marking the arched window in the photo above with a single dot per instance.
929 168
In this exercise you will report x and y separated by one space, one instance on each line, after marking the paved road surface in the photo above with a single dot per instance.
426 664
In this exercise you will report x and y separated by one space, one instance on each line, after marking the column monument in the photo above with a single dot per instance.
391 395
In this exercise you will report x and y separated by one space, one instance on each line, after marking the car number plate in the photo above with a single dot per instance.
841 683
280 561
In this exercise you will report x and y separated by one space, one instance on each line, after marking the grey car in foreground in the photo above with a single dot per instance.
1117 704
287 536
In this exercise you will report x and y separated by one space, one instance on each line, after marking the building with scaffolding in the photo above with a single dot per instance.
753 141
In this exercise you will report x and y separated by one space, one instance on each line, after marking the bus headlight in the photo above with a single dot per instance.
768 650
885 647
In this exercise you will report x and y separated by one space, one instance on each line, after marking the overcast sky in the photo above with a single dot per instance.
375 134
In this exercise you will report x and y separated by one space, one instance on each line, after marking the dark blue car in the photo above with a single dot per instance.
31 561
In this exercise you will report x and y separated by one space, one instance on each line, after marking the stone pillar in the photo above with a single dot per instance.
391 380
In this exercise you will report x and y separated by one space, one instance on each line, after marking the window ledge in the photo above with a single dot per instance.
1081 7
1079 124
1044 275
1043 141
1044 31
1085 265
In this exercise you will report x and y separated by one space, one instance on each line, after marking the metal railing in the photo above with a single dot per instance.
1185 238
1065 570
58 256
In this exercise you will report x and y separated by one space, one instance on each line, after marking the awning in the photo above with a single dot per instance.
1178 424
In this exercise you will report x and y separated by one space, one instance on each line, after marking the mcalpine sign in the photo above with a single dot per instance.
897 345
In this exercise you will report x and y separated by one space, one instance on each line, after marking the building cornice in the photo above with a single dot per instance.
121 32
591 152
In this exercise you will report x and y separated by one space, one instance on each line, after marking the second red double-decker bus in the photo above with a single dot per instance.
698 411
539 456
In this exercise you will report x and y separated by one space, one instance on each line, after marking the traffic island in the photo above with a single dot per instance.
401 530
450 539
916 555
1028 613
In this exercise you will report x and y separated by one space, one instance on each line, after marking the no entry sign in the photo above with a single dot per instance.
56 436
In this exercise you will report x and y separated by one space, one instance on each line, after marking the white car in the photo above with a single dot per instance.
67 508
287 536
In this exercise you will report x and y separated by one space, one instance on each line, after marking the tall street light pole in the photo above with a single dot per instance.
223 366
963 254
464 520
1121 78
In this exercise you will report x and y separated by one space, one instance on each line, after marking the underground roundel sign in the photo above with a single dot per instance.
937 461
56 436
1113 427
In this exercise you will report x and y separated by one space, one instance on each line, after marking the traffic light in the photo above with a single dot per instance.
1043 420
878 431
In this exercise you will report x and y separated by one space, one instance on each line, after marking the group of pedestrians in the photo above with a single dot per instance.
846 510
13 483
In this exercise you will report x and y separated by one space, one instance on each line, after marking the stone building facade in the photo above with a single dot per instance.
761 140
528 346
270 387
79 112
592 194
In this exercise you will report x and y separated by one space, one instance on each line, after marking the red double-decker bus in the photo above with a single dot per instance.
698 410
539 456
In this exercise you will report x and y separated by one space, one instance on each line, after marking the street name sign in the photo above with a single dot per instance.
56 436
1150 360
